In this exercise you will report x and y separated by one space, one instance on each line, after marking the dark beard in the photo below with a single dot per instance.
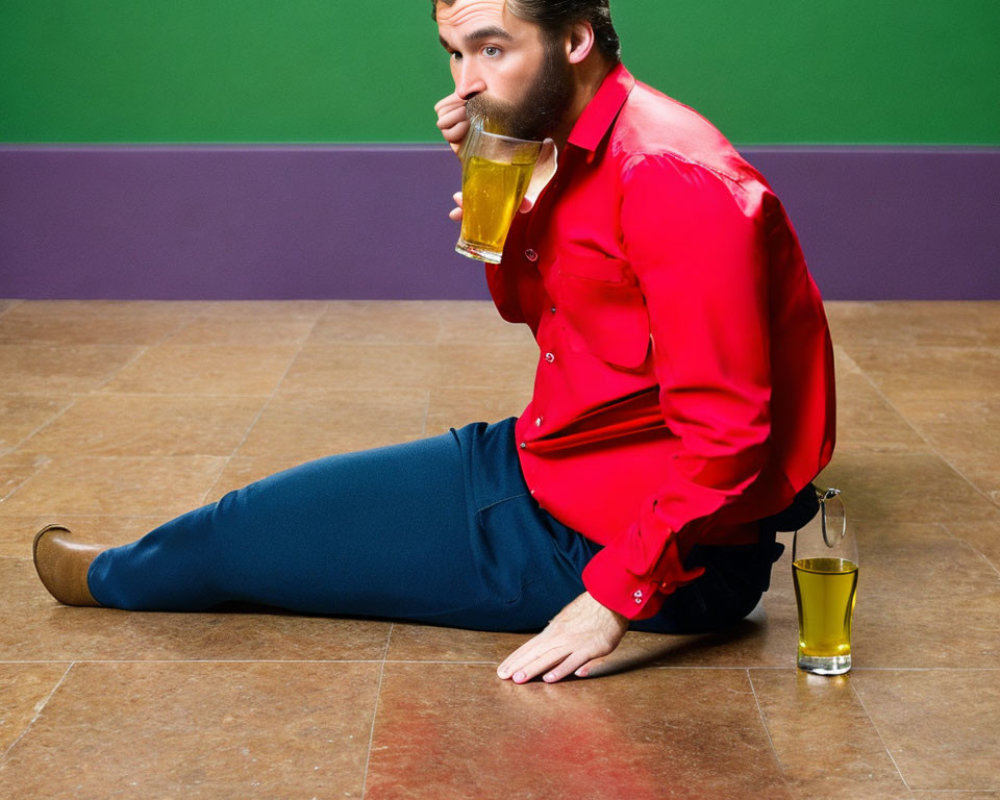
539 113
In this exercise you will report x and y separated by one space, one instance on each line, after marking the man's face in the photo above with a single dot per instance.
511 75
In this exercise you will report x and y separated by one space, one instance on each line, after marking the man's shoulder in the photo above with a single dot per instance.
653 124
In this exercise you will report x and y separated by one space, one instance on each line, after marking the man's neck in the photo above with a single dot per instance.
589 77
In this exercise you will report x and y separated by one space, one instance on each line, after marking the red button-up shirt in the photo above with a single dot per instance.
684 387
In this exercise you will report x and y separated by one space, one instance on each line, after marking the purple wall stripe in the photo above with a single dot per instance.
371 221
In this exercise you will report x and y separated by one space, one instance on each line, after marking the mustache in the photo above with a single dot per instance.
494 116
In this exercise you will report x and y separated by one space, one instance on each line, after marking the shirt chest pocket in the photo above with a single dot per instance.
600 301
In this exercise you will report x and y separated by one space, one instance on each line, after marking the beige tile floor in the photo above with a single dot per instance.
116 416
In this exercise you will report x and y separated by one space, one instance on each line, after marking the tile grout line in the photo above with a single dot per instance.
767 730
912 427
38 710
371 732
210 492
972 547
38 429
878 733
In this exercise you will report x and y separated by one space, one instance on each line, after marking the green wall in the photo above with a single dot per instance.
770 72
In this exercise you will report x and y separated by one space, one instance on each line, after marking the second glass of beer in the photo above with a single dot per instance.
825 572
496 171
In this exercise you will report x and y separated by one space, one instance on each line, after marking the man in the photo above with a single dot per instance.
684 396
659 276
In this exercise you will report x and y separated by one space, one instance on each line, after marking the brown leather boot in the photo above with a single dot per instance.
62 565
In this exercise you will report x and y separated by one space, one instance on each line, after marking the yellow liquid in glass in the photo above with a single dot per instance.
825 589
491 194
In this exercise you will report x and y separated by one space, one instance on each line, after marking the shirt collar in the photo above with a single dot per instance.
600 113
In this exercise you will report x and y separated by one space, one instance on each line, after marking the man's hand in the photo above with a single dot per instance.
452 119
578 635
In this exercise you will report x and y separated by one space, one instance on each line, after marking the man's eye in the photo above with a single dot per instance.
456 56
490 51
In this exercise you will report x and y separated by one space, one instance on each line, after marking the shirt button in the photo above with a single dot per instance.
553 309
550 357
531 255
538 422
638 596
523 445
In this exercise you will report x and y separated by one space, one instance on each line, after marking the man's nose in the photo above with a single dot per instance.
469 82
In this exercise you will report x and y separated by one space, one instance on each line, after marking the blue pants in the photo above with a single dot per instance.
441 531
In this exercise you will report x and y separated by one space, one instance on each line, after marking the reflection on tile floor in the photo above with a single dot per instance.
115 416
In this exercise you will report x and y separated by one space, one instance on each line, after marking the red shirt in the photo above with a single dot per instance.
684 388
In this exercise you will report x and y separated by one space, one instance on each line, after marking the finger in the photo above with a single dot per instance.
568 666
455 133
548 663
592 668
456 213
525 655
452 117
452 100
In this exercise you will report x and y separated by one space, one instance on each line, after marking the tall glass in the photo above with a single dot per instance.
496 171
825 572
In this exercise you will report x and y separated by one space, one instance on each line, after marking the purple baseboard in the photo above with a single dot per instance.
228 222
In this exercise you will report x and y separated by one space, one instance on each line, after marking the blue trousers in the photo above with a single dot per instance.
441 531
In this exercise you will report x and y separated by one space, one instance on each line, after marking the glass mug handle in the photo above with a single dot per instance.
832 530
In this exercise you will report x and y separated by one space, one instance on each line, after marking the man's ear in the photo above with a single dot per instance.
580 43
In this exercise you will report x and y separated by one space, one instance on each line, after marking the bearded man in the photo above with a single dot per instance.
683 399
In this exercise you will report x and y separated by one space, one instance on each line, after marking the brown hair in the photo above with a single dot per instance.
556 16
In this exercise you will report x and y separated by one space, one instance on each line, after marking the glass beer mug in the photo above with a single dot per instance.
496 171
825 572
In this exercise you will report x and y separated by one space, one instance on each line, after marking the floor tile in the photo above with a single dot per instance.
222 370
7 305
287 310
252 330
457 731
34 627
112 485
199 731
915 324
406 322
984 537
478 321
22 415
965 434
24 688
54 372
378 367
69 322
939 725
133 425
925 599
911 375
904 487
825 742
313 426
15 469
454 407
866 420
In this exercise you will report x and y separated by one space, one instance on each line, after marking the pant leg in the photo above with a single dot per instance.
441 530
